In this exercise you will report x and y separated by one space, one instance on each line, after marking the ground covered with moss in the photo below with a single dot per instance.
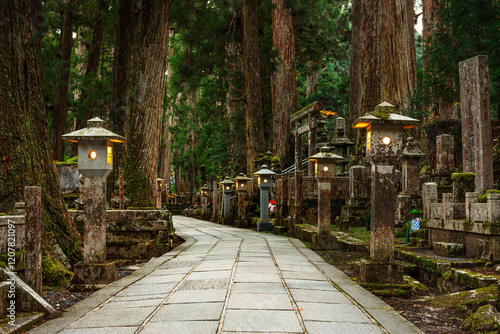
442 311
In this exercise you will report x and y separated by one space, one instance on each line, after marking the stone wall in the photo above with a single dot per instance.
135 234
19 232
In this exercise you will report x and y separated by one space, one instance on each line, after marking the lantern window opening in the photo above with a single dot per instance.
386 140
110 154
92 154
325 168
368 137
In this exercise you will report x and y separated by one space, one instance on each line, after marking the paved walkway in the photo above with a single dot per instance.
230 280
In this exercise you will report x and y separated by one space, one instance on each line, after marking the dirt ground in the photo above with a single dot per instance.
436 313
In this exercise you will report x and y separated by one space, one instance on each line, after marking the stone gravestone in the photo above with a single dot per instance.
445 161
476 121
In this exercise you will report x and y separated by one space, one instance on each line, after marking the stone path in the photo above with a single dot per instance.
230 280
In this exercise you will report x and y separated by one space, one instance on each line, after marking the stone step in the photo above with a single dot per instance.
4 289
472 280
448 249
22 322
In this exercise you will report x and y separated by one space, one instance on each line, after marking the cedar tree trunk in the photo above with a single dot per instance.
25 145
254 125
283 83
141 169
383 60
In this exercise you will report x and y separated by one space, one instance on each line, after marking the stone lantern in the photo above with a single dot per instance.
227 189
204 199
159 190
384 146
325 170
264 183
95 162
241 188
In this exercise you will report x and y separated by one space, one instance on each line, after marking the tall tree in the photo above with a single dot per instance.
254 126
25 145
118 113
141 170
283 82
62 100
383 60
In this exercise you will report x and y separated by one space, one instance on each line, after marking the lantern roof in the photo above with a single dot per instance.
264 171
324 153
384 114
242 177
205 187
227 181
95 130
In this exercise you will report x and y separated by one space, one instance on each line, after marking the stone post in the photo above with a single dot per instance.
403 209
358 182
493 208
311 139
382 212
298 196
227 207
121 189
242 195
411 160
470 199
324 206
264 208
94 236
33 236
447 206
429 195
215 195
462 184
204 202
445 159
476 121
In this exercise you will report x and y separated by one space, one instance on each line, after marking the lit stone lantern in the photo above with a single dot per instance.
95 162
159 190
204 199
384 146
227 189
241 188
264 183
325 169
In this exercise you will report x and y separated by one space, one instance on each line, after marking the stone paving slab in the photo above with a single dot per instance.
228 280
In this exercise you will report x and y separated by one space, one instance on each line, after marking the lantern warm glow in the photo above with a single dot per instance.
325 169
368 138
386 140
110 155
92 154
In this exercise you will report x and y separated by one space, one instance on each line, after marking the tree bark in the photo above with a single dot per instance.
25 145
254 126
118 113
312 77
383 59
62 89
283 83
141 169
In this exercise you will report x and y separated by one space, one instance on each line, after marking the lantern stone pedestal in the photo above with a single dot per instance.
95 162
384 146
227 186
264 184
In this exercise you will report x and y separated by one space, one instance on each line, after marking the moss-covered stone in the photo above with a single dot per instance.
485 320
54 274
483 197
70 161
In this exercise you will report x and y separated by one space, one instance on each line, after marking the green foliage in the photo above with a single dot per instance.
464 29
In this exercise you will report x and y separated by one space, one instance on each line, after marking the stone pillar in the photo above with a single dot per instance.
383 201
121 189
429 195
410 171
242 195
358 182
470 199
462 184
311 121
94 237
204 202
445 159
476 121
33 236
324 206
493 208
403 209
447 206
215 196
227 208
298 196
264 208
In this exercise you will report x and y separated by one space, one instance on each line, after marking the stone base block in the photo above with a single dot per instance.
262 227
448 249
94 273
279 230
381 272
325 242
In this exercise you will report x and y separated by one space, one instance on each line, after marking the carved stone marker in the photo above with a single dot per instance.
445 160
476 121
33 234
